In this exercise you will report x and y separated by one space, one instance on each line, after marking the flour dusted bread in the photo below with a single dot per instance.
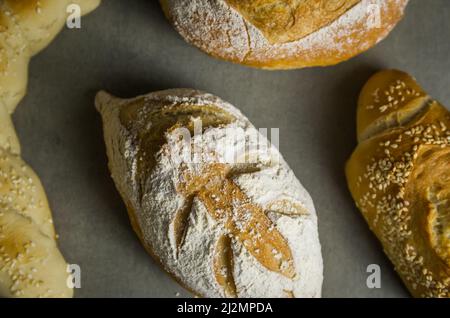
26 27
399 176
224 221
30 262
284 34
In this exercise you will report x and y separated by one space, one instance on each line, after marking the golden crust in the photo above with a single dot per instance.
399 177
284 21
26 27
388 99
319 40
30 262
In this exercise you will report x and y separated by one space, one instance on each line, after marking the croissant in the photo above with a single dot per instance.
30 262
284 34
224 222
399 176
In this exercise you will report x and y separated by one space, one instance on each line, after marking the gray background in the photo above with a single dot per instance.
128 48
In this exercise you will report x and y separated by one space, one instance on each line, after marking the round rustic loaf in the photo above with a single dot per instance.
284 34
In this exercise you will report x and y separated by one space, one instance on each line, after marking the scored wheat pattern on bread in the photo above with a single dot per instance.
220 228
243 220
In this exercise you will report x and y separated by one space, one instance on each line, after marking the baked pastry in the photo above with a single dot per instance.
30 262
26 27
284 34
219 208
399 176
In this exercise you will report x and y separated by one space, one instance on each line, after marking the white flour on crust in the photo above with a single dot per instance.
192 264
218 29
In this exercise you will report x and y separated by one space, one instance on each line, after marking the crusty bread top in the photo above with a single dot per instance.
399 176
389 99
275 34
284 21
234 229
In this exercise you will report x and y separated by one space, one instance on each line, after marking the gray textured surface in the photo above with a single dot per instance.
128 48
